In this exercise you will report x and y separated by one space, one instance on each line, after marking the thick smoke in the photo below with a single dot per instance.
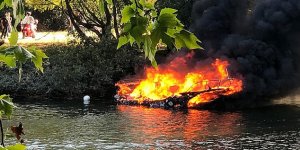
260 39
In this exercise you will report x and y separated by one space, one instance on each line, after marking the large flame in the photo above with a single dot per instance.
177 77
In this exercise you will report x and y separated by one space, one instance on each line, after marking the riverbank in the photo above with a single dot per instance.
72 71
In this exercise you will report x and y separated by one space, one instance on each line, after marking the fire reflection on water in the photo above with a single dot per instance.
159 124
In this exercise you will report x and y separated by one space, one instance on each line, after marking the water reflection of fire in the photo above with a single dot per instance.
178 77
189 126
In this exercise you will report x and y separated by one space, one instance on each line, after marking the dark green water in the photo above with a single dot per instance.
71 125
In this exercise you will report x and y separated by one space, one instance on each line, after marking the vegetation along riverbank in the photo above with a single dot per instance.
73 70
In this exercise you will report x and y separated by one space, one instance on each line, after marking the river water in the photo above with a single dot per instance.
66 124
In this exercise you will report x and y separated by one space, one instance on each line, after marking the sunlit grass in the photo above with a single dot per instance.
45 38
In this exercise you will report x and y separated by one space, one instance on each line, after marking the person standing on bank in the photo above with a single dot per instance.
4 27
28 20
9 20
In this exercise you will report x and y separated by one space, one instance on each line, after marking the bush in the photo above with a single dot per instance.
75 70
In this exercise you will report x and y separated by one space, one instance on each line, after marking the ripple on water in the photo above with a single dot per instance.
73 126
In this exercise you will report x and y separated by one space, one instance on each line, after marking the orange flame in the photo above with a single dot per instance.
177 77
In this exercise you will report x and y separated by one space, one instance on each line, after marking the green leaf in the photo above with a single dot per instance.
137 33
8 3
153 14
22 54
147 46
149 50
167 40
150 27
179 43
101 6
127 13
172 32
133 6
9 60
141 12
156 36
139 28
139 21
122 41
167 20
148 3
179 27
131 39
38 59
16 147
2 4
154 63
127 27
187 39
9 51
13 39
6 105
168 11
139 25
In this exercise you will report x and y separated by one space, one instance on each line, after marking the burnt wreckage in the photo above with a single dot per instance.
175 101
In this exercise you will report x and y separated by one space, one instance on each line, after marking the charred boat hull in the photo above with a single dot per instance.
170 102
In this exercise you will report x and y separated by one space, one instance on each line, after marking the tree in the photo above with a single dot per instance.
43 5
101 16
141 23
98 16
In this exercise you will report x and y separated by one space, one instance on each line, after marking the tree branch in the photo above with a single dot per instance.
89 25
94 16
73 18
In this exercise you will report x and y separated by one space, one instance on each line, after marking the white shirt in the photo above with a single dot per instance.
28 20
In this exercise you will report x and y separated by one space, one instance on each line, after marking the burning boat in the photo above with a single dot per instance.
177 85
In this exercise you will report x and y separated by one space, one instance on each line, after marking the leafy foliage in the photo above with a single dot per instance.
43 5
11 56
74 70
6 105
144 27
18 54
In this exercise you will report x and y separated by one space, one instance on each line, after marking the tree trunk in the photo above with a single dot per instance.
115 18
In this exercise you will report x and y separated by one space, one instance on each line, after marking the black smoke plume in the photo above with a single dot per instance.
261 39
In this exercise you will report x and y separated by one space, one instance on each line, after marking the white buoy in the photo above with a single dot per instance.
86 100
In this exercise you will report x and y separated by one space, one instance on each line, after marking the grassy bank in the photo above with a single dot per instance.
73 70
